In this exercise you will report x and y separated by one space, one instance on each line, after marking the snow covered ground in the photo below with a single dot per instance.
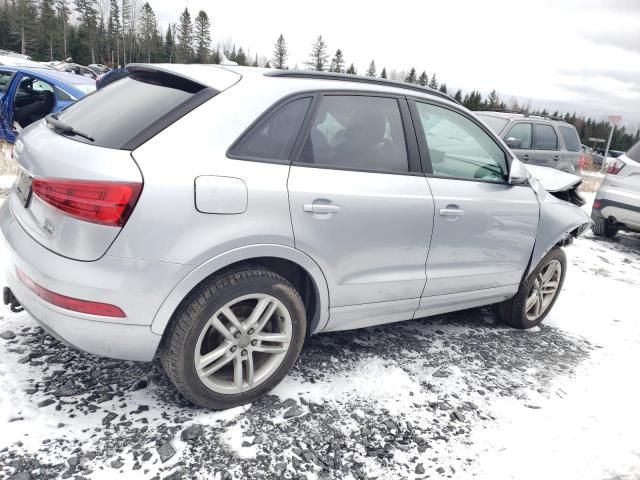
454 396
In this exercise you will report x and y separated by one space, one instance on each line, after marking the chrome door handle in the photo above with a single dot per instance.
451 212
321 208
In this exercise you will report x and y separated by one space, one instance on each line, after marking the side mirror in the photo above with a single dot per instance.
518 173
513 142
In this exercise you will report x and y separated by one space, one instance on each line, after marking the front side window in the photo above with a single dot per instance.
571 139
273 137
34 100
359 133
458 147
545 138
522 132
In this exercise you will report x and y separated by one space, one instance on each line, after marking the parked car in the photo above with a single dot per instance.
538 140
218 216
599 158
28 94
617 203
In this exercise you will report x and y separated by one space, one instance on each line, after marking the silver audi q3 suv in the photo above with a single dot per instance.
217 216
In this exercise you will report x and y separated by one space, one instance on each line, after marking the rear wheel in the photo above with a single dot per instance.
602 228
235 338
537 294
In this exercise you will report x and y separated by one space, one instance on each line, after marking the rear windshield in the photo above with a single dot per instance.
634 153
117 114
571 139
494 123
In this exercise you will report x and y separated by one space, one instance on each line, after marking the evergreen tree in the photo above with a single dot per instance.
113 33
47 28
337 62
63 11
458 96
241 57
280 54
202 36
169 43
24 14
434 82
148 31
443 88
185 37
352 70
88 17
371 71
384 73
493 100
318 56
411 77
423 79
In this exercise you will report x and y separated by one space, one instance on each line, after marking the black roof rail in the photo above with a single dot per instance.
347 77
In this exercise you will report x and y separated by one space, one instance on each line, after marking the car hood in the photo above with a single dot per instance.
554 180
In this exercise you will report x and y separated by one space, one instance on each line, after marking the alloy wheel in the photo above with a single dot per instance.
243 343
543 290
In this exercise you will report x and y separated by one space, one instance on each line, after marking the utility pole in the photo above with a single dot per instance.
614 119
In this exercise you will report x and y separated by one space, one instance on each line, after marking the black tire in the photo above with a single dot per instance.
177 351
512 311
602 228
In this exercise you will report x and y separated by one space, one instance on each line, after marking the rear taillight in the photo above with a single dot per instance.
614 167
105 203
68 303
597 204
581 161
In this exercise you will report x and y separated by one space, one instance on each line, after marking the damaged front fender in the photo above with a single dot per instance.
560 222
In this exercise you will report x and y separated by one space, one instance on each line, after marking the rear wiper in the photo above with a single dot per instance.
65 127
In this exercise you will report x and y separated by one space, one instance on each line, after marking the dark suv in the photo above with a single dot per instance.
538 140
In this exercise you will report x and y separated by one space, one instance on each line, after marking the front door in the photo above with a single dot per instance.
6 132
484 228
357 207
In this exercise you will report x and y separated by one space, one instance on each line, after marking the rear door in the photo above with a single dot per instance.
484 228
360 206
571 153
546 146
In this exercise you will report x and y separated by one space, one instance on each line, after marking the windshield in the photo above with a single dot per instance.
114 115
84 87
494 123
634 152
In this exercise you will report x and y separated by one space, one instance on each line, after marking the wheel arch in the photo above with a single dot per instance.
297 267
560 222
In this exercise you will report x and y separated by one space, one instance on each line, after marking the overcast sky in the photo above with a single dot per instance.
581 55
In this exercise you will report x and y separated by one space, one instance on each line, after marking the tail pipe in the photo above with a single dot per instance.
10 299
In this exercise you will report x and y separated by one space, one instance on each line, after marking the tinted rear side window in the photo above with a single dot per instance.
571 139
273 137
634 152
122 111
545 138
357 133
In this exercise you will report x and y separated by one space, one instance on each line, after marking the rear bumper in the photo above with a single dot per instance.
138 287
615 209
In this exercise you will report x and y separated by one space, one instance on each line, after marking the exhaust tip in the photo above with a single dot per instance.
10 299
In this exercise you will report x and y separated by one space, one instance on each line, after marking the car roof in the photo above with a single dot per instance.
49 74
528 116
298 80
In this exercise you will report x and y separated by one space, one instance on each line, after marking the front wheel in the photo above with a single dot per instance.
537 293
235 338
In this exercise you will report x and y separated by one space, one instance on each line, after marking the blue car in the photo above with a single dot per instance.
28 94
